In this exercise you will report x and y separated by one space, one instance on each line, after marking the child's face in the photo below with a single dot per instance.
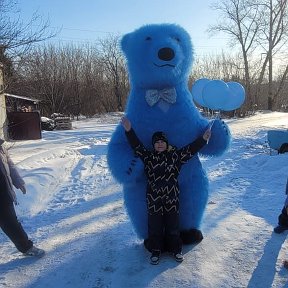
160 146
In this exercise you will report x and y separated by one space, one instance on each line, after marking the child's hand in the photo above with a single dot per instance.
126 123
207 135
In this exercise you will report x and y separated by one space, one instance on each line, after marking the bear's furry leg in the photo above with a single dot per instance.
191 236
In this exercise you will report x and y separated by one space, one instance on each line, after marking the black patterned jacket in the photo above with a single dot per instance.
162 170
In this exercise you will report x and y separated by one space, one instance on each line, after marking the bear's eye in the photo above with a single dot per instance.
177 39
148 38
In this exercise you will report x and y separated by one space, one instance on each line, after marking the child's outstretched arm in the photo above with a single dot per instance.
133 139
191 149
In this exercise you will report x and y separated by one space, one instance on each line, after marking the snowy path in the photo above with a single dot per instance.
74 210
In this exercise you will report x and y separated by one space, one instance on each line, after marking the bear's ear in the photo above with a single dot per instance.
125 41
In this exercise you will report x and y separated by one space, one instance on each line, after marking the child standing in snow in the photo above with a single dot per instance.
162 167
283 217
283 221
8 220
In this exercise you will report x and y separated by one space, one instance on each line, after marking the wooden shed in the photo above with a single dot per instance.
19 116
23 117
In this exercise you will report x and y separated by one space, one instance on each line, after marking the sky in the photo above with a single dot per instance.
87 20
74 210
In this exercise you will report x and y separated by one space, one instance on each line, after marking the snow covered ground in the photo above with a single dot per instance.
74 210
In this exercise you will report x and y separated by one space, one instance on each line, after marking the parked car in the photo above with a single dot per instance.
47 124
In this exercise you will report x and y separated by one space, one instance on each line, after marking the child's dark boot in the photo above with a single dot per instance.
155 256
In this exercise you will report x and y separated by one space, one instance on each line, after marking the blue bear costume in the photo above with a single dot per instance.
159 58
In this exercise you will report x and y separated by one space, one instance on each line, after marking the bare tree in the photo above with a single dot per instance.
16 36
112 60
240 21
71 79
272 37
258 27
223 66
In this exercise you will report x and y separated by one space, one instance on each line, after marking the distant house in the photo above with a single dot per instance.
19 116
23 117
16 103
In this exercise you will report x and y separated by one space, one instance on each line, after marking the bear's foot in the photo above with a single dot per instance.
191 236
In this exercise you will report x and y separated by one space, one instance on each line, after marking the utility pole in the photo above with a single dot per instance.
3 116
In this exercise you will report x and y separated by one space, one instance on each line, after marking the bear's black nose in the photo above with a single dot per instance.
166 54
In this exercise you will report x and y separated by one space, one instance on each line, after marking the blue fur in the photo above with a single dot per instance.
181 122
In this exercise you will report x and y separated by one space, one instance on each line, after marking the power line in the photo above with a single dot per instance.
83 30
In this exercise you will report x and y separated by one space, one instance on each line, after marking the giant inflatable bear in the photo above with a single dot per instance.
159 59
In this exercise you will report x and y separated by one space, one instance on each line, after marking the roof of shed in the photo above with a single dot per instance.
22 97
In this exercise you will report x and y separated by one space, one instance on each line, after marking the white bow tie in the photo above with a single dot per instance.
168 94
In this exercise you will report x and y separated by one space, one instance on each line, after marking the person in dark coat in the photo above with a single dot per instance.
283 217
9 223
162 167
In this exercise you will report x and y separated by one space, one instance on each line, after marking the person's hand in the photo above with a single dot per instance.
126 123
23 189
207 135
